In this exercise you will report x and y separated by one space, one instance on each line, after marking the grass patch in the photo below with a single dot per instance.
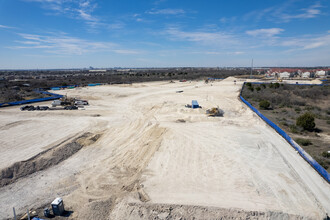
323 163
294 129
303 142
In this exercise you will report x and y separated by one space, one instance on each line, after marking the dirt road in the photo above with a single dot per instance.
153 154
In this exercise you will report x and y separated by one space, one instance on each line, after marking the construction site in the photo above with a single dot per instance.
153 150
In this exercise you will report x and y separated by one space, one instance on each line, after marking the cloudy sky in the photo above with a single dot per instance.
163 33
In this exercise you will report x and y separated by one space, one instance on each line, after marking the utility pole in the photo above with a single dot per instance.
251 68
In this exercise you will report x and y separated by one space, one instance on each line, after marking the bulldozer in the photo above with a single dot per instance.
214 112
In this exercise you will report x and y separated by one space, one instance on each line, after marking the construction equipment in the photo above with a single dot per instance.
80 102
71 107
65 101
215 112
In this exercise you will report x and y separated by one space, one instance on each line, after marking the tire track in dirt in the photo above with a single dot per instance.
120 173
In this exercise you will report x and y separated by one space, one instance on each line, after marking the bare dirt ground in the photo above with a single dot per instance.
147 156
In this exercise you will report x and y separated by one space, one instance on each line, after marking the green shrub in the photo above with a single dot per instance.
303 142
258 89
326 154
251 89
264 86
264 104
306 121
248 84
297 109
276 85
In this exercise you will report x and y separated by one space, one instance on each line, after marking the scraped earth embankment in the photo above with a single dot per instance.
45 159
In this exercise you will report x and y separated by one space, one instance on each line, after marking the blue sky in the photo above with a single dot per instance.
163 33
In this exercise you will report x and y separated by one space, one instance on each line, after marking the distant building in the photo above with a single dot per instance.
320 73
97 71
284 75
306 75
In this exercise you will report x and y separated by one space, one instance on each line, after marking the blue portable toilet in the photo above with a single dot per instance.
194 104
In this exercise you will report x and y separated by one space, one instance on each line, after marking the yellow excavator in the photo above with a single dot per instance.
215 112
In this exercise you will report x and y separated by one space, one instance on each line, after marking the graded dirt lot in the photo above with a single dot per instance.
140 154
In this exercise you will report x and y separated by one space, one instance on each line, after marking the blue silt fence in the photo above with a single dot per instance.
53 96
302 153
55 88
29 101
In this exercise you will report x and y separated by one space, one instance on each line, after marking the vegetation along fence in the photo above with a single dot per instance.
302 153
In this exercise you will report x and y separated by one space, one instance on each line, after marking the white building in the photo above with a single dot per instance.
306 75
320 73
284 75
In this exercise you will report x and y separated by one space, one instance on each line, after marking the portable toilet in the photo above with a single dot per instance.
58 206
194 104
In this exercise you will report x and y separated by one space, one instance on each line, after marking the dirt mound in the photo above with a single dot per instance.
167 211
101 209
46 159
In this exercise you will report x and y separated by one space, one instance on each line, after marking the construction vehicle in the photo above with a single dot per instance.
80 102
71 107
64 101
28 108
215 112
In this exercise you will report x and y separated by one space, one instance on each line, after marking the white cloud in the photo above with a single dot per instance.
270 32
285 12
306 42
213 38
226 20
314 45
310 12
238 53
66 45
167 11
127 51
6 27
77 9
61 44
